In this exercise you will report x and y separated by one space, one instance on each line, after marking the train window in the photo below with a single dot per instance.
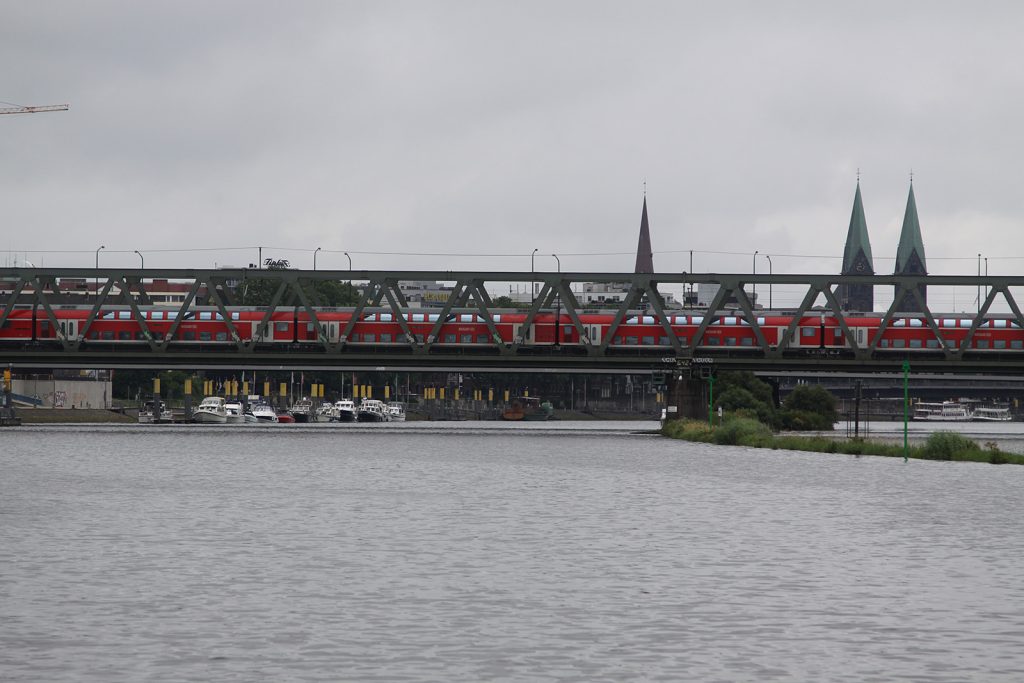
965 322
124 335
419 338
482 339
807 331
648 320
94 335
109 315
683 341
899 343
663 341
899 322
948 322
497 317
371 338
746 341
188 335
916 322
385 338
915 343
632 341
697 319
205 336
982 344
108 335
729 320
884 343
309 327
171 315
418 317
730 341
630 321
1017 343
466 339
205 315
156 315
124 315
568 330
432 318
280 327
354 337
998 343
449 339
385 317
139 336
839 333
466 318
714 341
222 336
760 320
648 341
998 323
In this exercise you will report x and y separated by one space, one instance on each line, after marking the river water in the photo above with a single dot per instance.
494 552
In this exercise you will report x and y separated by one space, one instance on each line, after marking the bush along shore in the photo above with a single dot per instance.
746 431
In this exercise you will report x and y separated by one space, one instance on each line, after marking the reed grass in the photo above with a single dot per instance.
745 431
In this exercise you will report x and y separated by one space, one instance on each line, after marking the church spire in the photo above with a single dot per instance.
857 259
910 259
644 254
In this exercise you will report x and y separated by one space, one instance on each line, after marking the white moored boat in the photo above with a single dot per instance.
264 413
372 410
947 411
303 410
396 411
211 411
153 415
991 414
236 415
344 411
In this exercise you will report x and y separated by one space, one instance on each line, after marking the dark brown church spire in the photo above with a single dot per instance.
644 255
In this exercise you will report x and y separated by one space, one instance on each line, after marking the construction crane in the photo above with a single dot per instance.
33 110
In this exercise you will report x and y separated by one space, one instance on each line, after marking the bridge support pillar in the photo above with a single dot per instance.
687 397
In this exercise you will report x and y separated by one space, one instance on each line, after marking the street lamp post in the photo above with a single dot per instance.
142 260
349 260
97 283
558 306
754 268
533 283
314 256
768 256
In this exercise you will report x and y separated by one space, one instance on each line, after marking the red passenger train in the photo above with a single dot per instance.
467 330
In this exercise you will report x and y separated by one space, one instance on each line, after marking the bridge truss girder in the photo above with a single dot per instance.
381 291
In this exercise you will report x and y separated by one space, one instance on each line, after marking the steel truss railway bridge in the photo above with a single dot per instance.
46 290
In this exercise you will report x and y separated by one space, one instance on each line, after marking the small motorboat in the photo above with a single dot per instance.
236 415
284 417
211 411
344 411
264 412
396 411
372 410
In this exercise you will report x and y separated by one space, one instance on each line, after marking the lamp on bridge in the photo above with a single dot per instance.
767 256
558 306
141 259
97 283
314 256
533 283
754 297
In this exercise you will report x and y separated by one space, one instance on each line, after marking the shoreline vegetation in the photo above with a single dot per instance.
746 431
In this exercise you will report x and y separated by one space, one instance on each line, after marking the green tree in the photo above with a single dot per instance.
743 392
809 407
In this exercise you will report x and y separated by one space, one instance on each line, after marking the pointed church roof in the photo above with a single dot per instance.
910 237
644 254
857 237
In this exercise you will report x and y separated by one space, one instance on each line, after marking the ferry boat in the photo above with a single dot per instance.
991 414
947 411
211 411
372 410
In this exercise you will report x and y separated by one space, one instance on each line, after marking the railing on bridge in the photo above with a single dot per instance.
637 331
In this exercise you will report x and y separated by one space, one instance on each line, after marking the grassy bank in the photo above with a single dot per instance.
749 432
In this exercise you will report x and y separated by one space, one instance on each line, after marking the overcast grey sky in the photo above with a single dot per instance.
493 128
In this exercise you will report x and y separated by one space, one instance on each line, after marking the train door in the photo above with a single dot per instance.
69 329
594 334
521 333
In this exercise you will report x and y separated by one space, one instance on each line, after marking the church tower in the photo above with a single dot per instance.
644 254
857 261
910 256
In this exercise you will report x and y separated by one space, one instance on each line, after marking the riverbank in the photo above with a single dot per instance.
751 433
73 416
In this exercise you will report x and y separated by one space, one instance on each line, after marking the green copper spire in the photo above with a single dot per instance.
910 254
857 242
